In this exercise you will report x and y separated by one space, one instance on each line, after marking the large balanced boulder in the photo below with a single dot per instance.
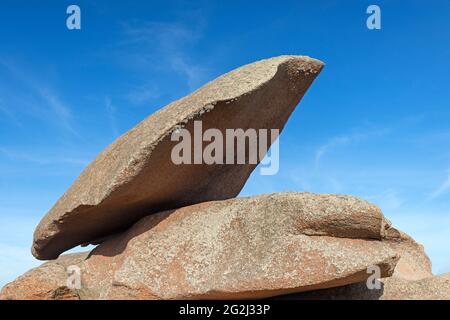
46 282
253 247
135 175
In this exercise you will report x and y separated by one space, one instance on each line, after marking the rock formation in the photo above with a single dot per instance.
135 176
394 288
252 247
412 278
46 282
316 246
242 248
168 231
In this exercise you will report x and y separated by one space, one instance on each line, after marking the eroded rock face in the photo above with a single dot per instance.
431 288
412 277
135 176
316 246
393 288
46 282
242 248
414 263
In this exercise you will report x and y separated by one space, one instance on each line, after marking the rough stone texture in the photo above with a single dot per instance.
432 288
46 282
242 248
135 176
394 288
412 277
414 263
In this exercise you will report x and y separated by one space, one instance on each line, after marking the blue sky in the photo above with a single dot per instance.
375 124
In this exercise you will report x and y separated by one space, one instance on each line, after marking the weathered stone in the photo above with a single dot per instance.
414 263
393 288
46 282
431 288
135 176
412 277
242 248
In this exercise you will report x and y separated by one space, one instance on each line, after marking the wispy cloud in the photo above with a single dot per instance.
142 94
9 114
57 111
167 44
388 199
110 111
169 35
14 260
443 188
343 140
40 159
59 108
195 74
333 143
